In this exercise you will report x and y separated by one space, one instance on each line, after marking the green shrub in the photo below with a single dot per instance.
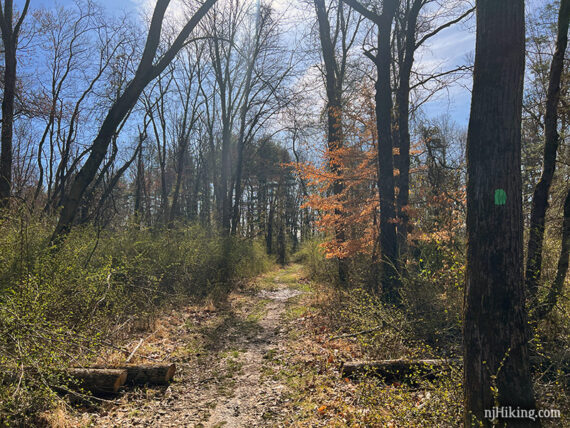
58 305
312 256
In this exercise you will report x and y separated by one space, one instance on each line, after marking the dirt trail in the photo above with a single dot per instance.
225 362
254 396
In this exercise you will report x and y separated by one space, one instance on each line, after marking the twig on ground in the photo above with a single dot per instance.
130 357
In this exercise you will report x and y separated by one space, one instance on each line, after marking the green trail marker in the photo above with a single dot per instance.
500 197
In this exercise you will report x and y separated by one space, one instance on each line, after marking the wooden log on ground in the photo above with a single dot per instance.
98 381
401 370
148 374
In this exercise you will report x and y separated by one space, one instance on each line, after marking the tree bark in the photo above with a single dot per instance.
144 374
386 182
149 374
551 142
390 279
403 108
7 122
496 356
334 116
10 35
269 227
99 381
399 370
555 289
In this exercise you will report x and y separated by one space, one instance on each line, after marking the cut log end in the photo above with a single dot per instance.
99 381
120 381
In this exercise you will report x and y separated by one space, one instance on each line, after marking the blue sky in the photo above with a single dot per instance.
112 5
447 50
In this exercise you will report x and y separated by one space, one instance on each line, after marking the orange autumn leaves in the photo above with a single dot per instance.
354 210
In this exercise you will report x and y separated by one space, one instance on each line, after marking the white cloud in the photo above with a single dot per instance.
282 7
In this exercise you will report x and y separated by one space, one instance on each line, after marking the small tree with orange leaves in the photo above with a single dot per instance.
355 209
436 209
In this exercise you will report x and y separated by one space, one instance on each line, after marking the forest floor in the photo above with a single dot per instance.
268 354
251 360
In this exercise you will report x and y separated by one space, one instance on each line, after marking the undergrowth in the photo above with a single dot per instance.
427 325
60 305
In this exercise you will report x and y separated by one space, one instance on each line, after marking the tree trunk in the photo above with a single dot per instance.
10 34
334 116
149 374
144 374
139 183
388 239
182 153
495 322
562 269
205 210
7 121
252 57
269 231
403 106
225 191
399 370
281 244
542 189
408 369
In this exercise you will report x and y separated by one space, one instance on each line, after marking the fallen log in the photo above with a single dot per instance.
406 370
98 381
148 374
103 380
399 370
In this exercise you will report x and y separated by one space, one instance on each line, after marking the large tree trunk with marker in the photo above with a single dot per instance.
497 370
